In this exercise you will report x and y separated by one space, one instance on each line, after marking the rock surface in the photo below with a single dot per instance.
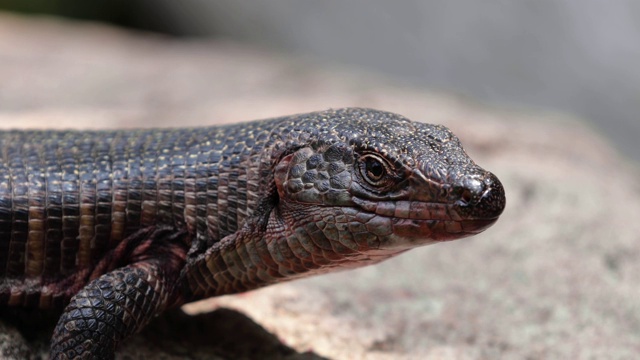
557 277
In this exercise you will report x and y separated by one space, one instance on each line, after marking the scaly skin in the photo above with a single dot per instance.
119 226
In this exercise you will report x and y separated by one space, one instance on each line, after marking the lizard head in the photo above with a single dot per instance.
369 181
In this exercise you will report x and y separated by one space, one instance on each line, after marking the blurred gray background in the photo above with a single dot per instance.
575 56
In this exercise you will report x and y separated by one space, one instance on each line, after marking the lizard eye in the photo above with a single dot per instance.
374 170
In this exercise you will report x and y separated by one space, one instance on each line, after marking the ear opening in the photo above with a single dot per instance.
274 174
280 173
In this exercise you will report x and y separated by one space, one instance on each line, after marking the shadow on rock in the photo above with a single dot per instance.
225 333
218 335
25 333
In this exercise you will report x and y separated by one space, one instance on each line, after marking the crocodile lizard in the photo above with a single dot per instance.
118 226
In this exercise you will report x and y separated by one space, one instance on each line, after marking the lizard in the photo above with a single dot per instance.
117 226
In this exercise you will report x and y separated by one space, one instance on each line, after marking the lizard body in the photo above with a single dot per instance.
118 226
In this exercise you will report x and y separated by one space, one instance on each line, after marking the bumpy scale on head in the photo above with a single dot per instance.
385 183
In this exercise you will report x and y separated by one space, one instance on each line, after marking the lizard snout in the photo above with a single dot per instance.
480 197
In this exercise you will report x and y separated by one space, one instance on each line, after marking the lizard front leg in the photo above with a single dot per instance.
118 304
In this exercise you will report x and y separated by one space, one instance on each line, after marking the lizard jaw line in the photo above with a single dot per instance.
414 210
424 222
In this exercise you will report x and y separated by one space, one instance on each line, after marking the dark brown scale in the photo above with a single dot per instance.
69 198
6 216
103 177
18 183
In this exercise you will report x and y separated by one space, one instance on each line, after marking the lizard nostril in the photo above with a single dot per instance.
470 191
466 196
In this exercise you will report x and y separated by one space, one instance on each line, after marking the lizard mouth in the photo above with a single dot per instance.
438 230
426 220
475 204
